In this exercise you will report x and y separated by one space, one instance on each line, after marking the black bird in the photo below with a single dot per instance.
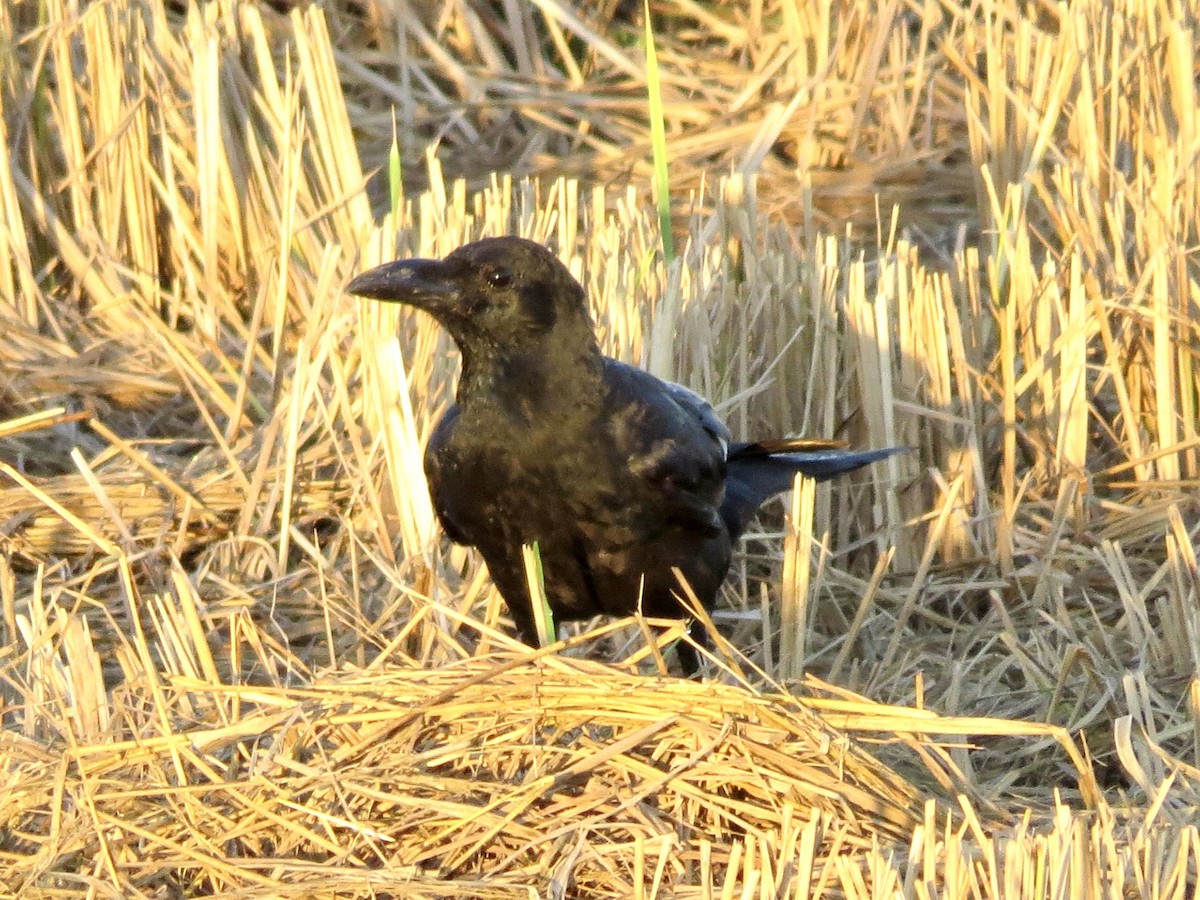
618 477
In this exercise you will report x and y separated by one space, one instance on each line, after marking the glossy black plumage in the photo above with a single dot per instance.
617 475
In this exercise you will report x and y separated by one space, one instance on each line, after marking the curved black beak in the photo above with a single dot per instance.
424 283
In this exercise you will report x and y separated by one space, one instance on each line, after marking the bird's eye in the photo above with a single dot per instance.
499 278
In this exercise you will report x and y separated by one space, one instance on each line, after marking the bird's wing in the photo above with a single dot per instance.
671 441
703 412
434 464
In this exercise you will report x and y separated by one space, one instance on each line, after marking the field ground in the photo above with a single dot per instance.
238 659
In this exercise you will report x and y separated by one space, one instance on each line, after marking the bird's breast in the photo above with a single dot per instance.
527 480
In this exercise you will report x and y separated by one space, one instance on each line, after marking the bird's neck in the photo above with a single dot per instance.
532 382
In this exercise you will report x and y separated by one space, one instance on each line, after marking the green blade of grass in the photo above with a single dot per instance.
395 173
658 141
543 618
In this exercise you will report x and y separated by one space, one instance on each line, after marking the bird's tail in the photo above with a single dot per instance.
758 471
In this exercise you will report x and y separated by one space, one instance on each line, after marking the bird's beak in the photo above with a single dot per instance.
427 284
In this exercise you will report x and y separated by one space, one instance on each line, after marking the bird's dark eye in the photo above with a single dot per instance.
499 278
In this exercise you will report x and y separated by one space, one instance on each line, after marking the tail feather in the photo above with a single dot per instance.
756 472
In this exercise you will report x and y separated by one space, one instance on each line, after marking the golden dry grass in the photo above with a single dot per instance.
238 660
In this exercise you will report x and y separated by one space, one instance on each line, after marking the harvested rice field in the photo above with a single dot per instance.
239 657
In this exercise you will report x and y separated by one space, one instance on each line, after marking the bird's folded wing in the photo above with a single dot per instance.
673 445
443 503
702 410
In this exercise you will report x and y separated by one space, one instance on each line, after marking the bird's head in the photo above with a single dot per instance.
497 296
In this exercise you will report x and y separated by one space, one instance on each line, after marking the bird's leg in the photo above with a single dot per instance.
689 656
514 590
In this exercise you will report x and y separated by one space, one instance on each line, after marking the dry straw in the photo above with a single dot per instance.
237 659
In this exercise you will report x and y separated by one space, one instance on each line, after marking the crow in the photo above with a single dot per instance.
619 478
